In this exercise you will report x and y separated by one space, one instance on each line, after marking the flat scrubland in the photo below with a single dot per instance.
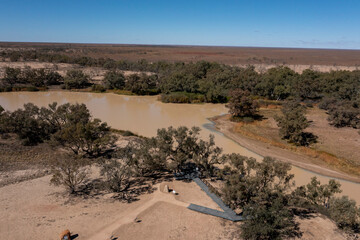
261 58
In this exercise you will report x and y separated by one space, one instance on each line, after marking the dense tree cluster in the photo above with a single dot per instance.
342 113
214 81
242 105
264 191
76 79
68 125
114 80
337 91
173 149
29 78
142 84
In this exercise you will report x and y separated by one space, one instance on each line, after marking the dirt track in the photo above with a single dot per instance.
130 215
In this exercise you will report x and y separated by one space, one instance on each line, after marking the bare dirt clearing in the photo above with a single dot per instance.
36 210
168 221
319 227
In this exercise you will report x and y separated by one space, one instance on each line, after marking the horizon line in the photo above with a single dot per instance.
183 45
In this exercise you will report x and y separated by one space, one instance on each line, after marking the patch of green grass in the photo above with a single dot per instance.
122 92
182 97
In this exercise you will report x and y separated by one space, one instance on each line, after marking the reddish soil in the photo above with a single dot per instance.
226 55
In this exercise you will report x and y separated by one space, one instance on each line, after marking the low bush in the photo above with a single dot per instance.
70 172
344 116
32 89
117 174
98 88
182 97
76 79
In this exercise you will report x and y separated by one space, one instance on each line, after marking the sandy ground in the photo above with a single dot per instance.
224 125
176 225
191 193
95 73
338 141
319 227
167 221
299 68
35 210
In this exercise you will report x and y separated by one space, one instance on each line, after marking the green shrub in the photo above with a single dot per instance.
182 97
114 80
32 89
7 89
70 172
76 79
345 213
98 88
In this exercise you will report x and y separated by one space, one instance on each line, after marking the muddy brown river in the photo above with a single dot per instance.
144 115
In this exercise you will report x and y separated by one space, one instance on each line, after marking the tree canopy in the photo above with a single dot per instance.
242 105
292 124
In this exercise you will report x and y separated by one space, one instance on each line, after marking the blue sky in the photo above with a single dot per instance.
265 23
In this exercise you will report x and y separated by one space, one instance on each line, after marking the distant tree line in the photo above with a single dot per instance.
32 79
215 80
338 92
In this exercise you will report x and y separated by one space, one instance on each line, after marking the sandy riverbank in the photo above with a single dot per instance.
225 126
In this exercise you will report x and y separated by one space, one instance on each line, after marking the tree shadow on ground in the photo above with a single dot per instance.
95 188
248 119
137 187
91 189
143 185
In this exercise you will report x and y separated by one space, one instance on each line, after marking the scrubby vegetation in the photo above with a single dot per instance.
182 97
76 79
68 125
29 79
266 194
293 123
114 80
264 190
242 106
215 80
71 172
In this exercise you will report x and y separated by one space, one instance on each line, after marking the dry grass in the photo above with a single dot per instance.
326 150
15 156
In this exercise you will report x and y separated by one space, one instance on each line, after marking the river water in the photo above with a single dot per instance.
144 115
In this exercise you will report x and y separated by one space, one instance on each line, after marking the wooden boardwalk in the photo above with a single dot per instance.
227 213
